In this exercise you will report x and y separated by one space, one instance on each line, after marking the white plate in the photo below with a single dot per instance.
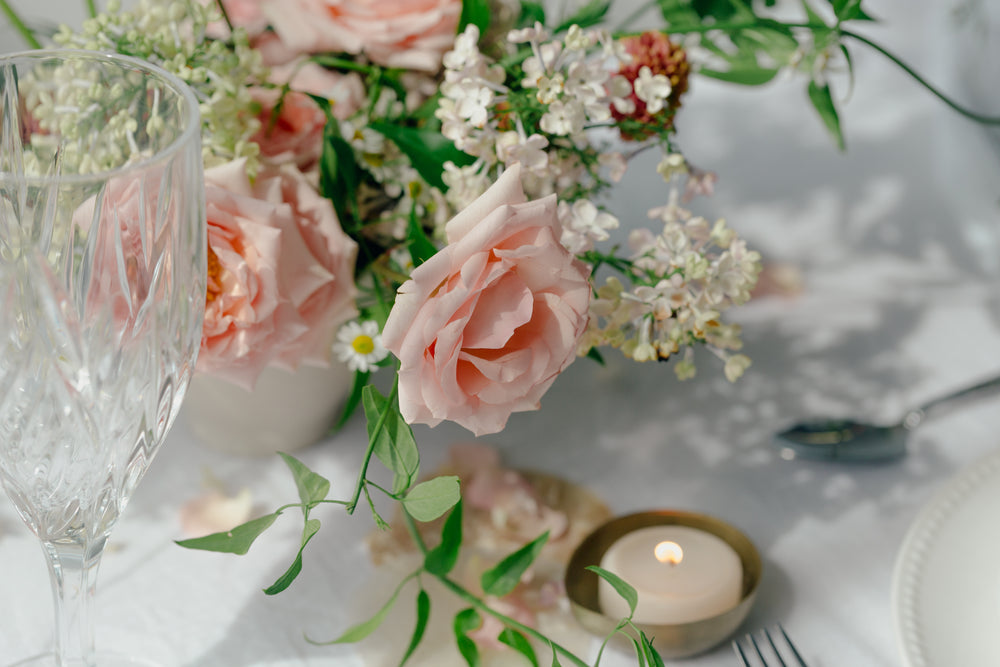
946 586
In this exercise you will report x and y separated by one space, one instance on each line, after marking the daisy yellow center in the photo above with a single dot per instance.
363 344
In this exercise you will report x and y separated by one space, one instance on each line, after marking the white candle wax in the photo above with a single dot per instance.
701 579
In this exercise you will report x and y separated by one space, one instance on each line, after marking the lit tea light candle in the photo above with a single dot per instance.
681 574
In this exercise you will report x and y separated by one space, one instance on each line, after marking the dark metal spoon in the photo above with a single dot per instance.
849 440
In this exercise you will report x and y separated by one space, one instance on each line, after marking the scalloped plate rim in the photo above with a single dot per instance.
955 497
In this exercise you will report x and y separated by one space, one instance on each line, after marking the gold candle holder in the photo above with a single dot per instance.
675 640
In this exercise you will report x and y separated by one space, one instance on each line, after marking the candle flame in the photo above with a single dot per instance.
669 552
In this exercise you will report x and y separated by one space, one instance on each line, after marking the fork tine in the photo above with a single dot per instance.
774 647
740 654
750 645
795 651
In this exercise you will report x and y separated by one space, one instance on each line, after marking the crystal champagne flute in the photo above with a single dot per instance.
102 293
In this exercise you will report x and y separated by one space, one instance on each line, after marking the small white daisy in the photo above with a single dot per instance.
359 345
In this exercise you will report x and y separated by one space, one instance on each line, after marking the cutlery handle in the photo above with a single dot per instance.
992 383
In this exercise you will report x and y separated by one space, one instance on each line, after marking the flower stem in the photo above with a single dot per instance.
27 34
379 425
92 8
896 60
634 16
462 593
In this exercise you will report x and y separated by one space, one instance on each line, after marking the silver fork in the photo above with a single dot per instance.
774 643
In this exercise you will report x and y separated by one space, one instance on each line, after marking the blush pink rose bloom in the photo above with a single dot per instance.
280 273
296 133
409 34
483 328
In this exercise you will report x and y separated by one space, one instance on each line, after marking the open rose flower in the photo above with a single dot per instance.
295 133
483 327
409 34
280 273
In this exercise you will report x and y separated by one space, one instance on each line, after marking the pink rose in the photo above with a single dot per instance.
280 273
483 328
296 133
410 34
244 14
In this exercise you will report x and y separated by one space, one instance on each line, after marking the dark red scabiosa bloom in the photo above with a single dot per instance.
654 50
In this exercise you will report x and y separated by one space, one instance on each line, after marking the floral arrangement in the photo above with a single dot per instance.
416 186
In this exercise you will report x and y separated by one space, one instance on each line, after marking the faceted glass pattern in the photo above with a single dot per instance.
102 292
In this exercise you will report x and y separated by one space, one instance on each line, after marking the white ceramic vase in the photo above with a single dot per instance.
286 411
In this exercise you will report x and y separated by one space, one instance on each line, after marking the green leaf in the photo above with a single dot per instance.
622 587
640 655
441 559
235 541
312 486
720 10
846 10
465 622
339 174
811 14
678 14
590 14
747 74
285 580
476 12
420 247
429 500
423 614
652 655
531 13
822 100
774 39
359 631
595 355
555 655
505 575
394 444
519 643
353 399
428 150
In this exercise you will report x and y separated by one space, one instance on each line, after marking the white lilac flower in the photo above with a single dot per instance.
221 74
672 164
653 89
550 87
583 224
540 64
735 366
465 184
699 182
535 33
563 119
612 48
465 51
513 146
619 90
615 163
585 83
684 368
472 101
359 345
578 39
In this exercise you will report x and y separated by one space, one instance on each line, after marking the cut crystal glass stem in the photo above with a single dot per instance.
73 572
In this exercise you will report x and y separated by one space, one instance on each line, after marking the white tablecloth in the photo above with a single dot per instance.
897 240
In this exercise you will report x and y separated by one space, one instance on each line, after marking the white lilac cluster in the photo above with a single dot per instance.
173 36
682 280
568 85
68 103
401 192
